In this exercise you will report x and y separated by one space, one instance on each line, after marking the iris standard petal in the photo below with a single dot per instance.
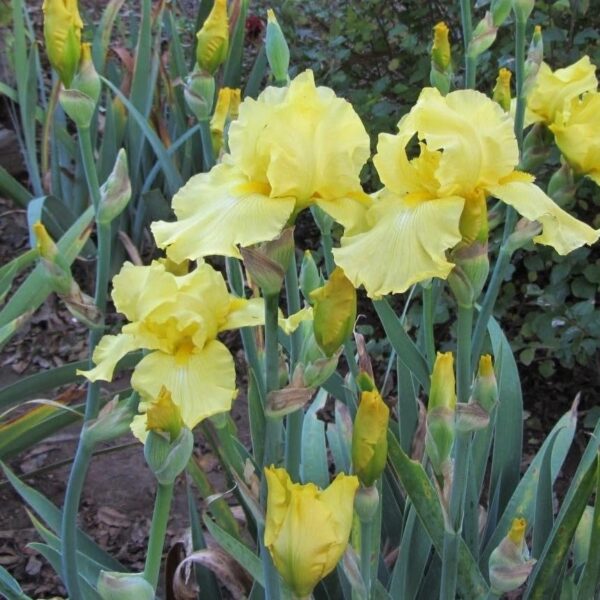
560 230
414 236
219 210
474 134
554 89
577 134
201 383
138 290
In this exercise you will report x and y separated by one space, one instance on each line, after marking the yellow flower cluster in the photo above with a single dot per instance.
568 102
467 152
290 148
176 318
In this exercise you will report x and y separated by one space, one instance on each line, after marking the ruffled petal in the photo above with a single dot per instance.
303 140
475 135
219 210
110 350
406 243
576 132
138 290
560 230
554 89
202 384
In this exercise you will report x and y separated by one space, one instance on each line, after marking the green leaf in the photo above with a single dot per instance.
506 458
52 516
88 569
11 188
204 577
423 497
257 74
522 502
218 507
103 33
313 463
232 75
34 290
238 551
544 511
173 177
589 583
544 578
413 556
256 416
405 348
9 586
53 557
57 218
40 382
32 427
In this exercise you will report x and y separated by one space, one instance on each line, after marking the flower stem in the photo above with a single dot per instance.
236 283
489 300
428 316
208 157
365 554
85 448
467 28
504 255
456 511
272 434
158 530
295 420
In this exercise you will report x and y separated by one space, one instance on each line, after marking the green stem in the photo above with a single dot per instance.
365 554
294 421
428 315
84 448
504 255
68 534
520 79
461 460
89 165
487 306
463 353
158 530
236 283
467 28
208 157
273 432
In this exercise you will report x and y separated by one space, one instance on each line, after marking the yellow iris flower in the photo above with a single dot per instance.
62 34
577 134
307 529
290 148
177 319
553 90
430 203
